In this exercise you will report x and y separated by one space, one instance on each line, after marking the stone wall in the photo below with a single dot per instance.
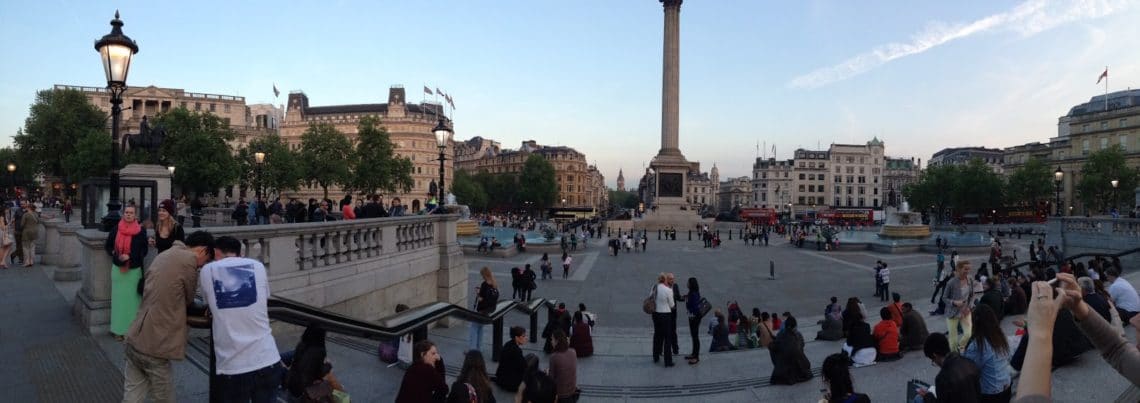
360 268
1078 235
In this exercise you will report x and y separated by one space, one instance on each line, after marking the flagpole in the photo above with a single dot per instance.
1106 88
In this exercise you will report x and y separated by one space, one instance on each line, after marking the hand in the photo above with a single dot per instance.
150 241
921 391
1135 321
124 257
1068 287
1043 307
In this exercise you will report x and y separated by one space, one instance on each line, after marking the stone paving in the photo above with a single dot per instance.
57 357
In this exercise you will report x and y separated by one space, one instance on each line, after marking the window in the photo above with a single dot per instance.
861 170
849 201
213 107
1103 143
811 177
838 179
862 190
764 175
861 202
876 192
876 179
197 106
850 190
227 108
837 170
850 170
837 189
850 160
850 179
875 171
819 200
802 176
811 188
836 201
801 190
785 174
1123 122
764 197
1104 125
182 104
801 200
1085 147
1124 141
1085 128
822 166
862 160
876 202
862 179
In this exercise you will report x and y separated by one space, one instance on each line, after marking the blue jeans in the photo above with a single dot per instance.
475 336
259 386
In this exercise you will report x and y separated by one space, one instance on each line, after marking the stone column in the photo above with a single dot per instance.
68 258
451 277
93 301
670 79
50 237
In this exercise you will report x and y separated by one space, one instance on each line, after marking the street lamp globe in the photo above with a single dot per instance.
1058 175
171 169
442 134
116 51
11 168
1115 183
259 157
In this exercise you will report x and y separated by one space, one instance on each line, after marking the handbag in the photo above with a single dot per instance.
650 304
705 307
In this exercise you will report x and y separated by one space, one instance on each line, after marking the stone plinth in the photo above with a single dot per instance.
50 236
70 252
92 306
157 173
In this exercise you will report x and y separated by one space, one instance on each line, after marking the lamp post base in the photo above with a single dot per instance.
113 215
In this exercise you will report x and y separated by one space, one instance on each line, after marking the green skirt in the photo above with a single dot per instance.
125 298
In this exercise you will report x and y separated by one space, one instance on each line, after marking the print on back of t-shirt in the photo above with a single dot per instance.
234 286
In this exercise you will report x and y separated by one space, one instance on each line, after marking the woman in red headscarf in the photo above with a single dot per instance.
127 245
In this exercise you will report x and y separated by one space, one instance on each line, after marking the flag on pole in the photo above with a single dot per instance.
438 92
275 91
449 101
427 90
1103 75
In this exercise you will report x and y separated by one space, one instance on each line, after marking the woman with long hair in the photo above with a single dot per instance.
837 380
474 373
6 240
309 365
693 306
127 246
988 349
566 259
424 379
166 230
537 387
486 297
581 339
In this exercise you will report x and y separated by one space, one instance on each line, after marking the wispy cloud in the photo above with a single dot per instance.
1026 19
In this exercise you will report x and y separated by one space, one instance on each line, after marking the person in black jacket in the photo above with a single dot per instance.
958 380
789 364
512 366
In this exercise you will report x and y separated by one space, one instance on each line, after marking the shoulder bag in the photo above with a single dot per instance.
650 304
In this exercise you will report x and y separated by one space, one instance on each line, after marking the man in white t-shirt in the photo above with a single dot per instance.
1123 295
237 289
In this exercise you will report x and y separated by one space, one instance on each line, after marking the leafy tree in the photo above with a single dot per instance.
469 191
22 176
326 154
91 157
1102 167
932 190
281 170
623 199
502 190
196 144
979 189
56 123
377 166
1030 183
536 182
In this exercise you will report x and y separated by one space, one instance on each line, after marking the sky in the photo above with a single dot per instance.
756 76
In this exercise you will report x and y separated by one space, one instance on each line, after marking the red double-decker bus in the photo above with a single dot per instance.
759 216
848 216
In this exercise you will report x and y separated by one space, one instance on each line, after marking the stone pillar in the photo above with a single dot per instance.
92 306
670 79
451 277
50 237
70 251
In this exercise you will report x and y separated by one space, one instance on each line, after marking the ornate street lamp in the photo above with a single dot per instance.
1115 184
12 177
259 158
442 137
1058 176
171 169
116 51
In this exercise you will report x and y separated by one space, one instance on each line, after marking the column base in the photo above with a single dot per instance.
93 315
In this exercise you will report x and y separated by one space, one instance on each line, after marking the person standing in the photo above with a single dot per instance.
678 297
486 297
166 231
959 298
158 334
885 275
31 223
693 306
941 259
237 290
17 230
127 246
6 239
566 260
529 285
663 305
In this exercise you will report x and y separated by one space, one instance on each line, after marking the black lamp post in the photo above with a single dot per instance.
12 178
1058 176
442 137
171 169
1115 184
259 159
116 50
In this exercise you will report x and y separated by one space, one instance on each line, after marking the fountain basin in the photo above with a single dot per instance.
905 231
963 242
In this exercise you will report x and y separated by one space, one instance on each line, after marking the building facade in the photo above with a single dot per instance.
409 128
1103 122
735 192
809 181
772 184
703 188
580 185
992 157
897 174
857 174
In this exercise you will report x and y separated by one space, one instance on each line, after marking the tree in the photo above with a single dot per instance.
502 190
469 191
21 176
377 166
623 199
196 144
1030 183
281 170
536 182
1102 167
932 191
326 155
979 189
56 123
91 157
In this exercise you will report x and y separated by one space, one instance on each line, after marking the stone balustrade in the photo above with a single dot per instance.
361 268
1078 235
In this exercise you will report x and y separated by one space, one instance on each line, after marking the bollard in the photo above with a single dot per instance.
534 327
658 235
729 234
690 235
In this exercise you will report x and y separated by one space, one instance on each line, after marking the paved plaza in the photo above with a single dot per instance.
621 369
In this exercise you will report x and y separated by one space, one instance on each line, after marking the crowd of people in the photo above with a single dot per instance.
261 211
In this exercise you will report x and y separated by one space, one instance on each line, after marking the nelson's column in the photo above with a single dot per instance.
669 167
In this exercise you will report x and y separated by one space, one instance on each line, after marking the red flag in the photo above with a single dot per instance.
427 90
1103 75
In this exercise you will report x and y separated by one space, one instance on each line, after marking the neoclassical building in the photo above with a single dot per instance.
580 185
409 127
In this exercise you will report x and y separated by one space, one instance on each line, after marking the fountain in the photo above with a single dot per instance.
902 223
